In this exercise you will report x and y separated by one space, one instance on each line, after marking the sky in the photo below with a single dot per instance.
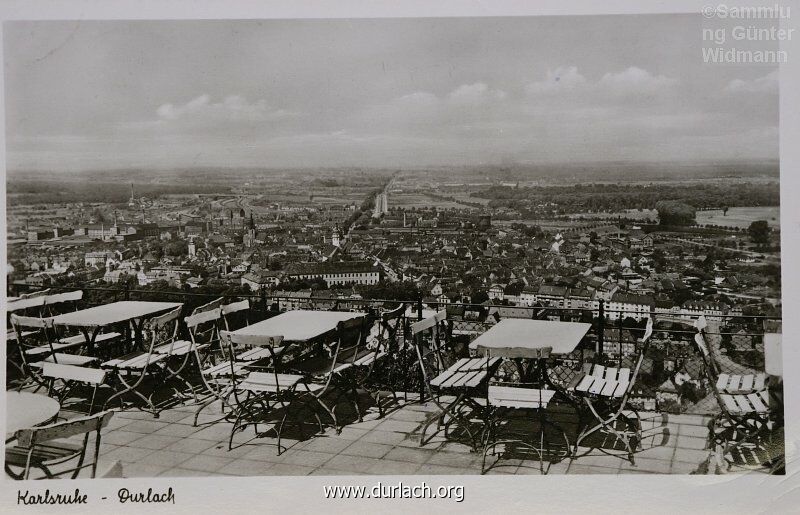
94 95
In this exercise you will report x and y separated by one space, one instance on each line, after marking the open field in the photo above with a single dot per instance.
421 200
741 216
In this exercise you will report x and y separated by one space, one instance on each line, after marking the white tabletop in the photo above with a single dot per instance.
29 302
563 337
24 410
773 354
113 313
299 325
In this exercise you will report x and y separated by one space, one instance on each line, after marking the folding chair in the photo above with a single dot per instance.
203 329
71 377
33 353
745 431
375 372
229 312
130 371
260 395
39 448
220 379
605 392
327 371
504 399
466 379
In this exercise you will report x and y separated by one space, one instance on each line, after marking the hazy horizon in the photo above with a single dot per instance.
378 93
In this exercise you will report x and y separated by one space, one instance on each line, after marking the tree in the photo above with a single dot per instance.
759 232
672 212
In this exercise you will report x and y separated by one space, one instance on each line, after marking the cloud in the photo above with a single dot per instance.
234 108
635 80
628 82
766 84
563 78
478 92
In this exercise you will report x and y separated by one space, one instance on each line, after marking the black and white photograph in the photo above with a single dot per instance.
538 245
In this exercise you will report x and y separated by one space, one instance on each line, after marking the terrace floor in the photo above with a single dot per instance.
171 446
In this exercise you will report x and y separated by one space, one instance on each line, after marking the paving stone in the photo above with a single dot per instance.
367 449
221 449
177 430
145 426
134 414
120 437
690 442
262 452
601 460
388 467
457 447
329 445
432 469
383 437
659 452
141 470
306 458
578 469
355 463
692 430
169 459
206 463
191 445
217 433
401 426
128 454
418 456
243 467
690 455
455 459
351 433
153 441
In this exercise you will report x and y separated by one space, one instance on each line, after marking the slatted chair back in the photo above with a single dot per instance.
644 345
203 327
391 326
39 330
31 437
162 330
61 302
431 351
214 304
232 340
350 339
26 303
34 294
231 309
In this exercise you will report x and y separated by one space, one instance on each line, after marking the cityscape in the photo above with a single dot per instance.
354 260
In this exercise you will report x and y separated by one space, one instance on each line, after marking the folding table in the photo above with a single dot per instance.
561 337
90 321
